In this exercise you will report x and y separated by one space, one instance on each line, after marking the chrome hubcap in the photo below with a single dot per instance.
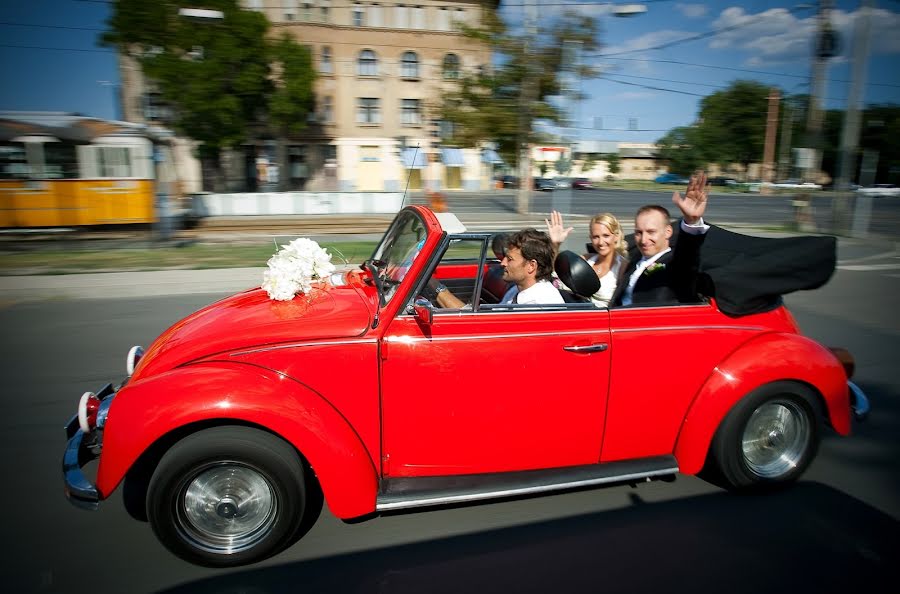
227 508
775 438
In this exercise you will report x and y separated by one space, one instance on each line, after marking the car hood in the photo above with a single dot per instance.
251 319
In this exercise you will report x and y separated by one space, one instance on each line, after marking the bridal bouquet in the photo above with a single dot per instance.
294 267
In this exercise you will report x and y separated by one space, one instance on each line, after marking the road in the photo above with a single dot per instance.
836 531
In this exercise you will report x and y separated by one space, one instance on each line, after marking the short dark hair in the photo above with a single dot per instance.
534 245
498 243
655 208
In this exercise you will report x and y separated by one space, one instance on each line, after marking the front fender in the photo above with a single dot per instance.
147 410
762 360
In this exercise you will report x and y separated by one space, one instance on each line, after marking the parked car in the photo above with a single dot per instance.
509 181
721 181
562 183
228 432
795 184
544 184
582 183
671 178
880 190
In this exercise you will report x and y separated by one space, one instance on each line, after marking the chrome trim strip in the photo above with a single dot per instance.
859 402
670 328
325 342
429 501
404 339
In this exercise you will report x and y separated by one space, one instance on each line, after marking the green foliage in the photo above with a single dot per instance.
732 124
614 163
679 148
563 165
543 167
218 75
501 103
588 163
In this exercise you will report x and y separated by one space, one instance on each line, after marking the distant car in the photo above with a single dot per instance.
880 190
796 184
509 181
721 181
582 183
562 183
544 184
671 178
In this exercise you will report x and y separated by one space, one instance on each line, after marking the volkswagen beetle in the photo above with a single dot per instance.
234 426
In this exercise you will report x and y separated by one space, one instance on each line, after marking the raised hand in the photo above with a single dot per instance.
555 229
693 205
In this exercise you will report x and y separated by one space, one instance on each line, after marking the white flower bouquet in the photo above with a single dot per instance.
294 268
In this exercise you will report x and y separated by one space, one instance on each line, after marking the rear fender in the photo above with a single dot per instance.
146 411
762 360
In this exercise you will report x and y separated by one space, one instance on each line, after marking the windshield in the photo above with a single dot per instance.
398 250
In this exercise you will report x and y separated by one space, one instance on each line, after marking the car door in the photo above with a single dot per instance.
478 392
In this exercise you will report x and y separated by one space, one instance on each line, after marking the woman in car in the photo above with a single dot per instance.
609 246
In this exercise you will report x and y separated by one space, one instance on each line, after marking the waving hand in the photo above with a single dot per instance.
693 205
555 229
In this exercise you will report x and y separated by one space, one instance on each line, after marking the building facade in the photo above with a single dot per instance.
382 69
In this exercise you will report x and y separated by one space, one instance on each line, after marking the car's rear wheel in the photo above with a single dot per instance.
227 496
768 439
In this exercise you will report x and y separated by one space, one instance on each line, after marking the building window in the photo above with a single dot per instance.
401 16
307 12
375 16
367 65
325 65
114 161
369 153
459 19
411 112
290 10
367 111
451 66
155 109
323 11
256 5
417 17
327 110
443 19
409 65
359 15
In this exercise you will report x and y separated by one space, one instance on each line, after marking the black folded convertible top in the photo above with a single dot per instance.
748 275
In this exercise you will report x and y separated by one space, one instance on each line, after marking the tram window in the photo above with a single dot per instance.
13 161
114 161
60 161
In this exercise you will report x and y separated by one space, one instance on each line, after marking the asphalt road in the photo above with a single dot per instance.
836 531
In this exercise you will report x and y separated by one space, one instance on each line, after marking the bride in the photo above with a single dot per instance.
608 242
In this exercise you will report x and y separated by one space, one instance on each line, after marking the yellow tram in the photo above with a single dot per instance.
64 170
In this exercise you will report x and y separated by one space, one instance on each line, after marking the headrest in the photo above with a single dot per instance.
576 273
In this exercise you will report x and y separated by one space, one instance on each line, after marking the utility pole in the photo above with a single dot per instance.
523 198
771 130
825 47
850 134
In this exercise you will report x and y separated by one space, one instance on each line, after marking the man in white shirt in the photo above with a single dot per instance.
527 264
662 274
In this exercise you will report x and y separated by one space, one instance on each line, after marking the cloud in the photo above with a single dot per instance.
691 11
777 36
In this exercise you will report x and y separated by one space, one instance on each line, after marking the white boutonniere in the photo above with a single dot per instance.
294 267
656 266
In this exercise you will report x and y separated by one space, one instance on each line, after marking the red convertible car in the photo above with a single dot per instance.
236 424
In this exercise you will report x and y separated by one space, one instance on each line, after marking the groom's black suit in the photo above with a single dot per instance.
673 281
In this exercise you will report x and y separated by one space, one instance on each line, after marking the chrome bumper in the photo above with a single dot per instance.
81 449
859 403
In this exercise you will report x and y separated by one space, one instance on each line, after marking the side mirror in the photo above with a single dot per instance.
424 311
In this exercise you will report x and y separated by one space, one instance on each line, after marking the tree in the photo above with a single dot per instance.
612 160
588 163
732 124
501 103
678 147
563 165
543 167
218 76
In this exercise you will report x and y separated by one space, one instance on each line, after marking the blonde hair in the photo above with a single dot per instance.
611 223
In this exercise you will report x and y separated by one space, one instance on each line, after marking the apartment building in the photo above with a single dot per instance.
382 68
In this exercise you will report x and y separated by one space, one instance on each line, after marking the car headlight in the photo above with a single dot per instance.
131 361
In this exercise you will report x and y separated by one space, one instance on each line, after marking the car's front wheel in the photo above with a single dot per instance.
768 439
227 496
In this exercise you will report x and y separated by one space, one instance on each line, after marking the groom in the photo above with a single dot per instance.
662 274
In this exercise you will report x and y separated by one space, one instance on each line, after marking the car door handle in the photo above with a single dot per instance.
589 348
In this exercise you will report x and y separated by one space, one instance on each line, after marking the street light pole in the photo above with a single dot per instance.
523 197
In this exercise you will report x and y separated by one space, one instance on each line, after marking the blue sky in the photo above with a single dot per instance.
56 65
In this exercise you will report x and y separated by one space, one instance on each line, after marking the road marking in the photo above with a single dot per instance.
870 267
